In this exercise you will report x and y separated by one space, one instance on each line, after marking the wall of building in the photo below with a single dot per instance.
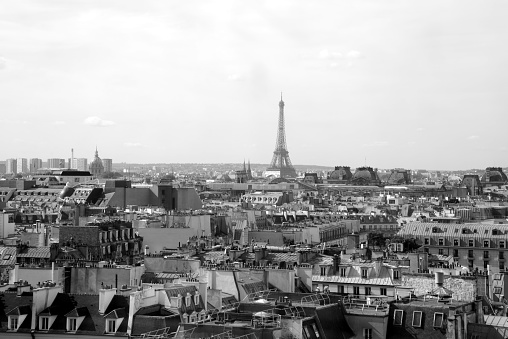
158 238
273 238
92 279
160 264
33 275
224 280
378 324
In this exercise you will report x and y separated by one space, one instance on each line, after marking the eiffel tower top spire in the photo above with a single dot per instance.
280 161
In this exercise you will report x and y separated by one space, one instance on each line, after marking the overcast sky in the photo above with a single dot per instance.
412 84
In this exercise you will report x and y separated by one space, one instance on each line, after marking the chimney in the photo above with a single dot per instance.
105 297
439 278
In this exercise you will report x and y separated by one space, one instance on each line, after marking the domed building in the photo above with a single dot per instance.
365 176
96 168
341 175
399 176
494 176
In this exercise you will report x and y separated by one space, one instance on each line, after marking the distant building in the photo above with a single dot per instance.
494 176
341 175
11 166
22 165
56 163
35 164
96 167
80 164
108 165
476 246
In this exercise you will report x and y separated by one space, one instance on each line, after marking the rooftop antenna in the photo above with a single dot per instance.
72 158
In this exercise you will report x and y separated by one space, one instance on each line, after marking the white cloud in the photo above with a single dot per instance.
3 63
473 137
354 55
376 144
327 54
133 144
236 77
96 121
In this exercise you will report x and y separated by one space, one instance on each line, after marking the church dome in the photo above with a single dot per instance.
341 173
365 176
96 167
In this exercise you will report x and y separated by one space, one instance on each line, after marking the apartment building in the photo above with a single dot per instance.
475 246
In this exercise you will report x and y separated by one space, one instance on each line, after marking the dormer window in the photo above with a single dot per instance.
486 243
455 242
501 244
342 271
72 324
396 274
44 323
471 242
185 318
13 322
426 241
441 242
365 273
111 326
196 299
188 300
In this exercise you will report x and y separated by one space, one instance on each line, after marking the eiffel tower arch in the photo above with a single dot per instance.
281 163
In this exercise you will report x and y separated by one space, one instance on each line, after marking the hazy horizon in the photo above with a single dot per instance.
390 84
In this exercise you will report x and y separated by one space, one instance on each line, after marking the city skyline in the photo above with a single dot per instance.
392 84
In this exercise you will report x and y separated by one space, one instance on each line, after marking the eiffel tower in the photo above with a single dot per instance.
280 161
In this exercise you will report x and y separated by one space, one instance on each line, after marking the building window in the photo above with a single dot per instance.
185 317
441 251
497 290
485 254
397 317
382 291
501 244
44 323
196 299
395 274
501 266
455 242
470 254
187 301
364 273
471 242
316 331
417 319
356 290
486 243
368 291
367 333
342 271
501 255
111 326
455 253
323 270
485 264
426 241
440 242
438 319
72 324
13 322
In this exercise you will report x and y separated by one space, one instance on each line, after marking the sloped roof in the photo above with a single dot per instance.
42 252
475 230
7 256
